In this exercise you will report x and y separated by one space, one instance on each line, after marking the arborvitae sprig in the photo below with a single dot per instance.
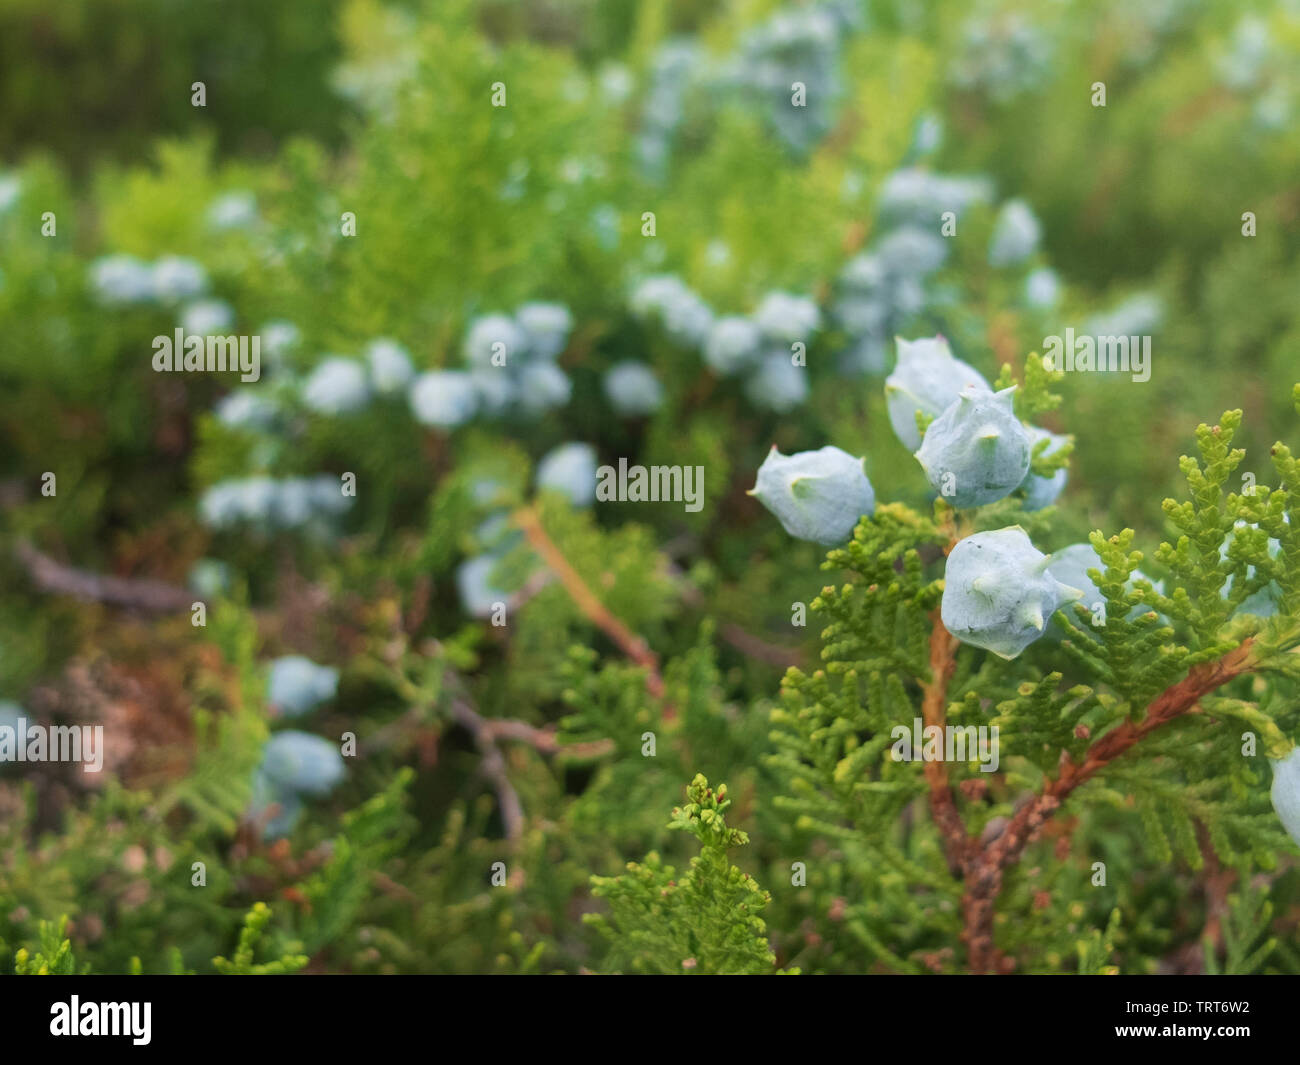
1140 666
1097 949
250 937
707 921
1246 942
1206 521
54 958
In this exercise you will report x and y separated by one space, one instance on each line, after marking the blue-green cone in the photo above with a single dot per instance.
1042 491
998 593
1070 566
927 378
816 495
1286 792
976 451
1263 603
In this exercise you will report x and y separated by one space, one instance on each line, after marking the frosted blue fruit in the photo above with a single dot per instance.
204 317
485 490
777 384
1043 491
11 187
498 534
546 327
685 316
782 316
616 83
1248 54
391 370
998 592
732 344
299 763
278 811
174 279
861 316
243 409
543 386
908 296
1002 54
484 336
911 251
927 378
928 135
233 210
864 273
218 506
633 389
121 279
976 451
603 223
1015 234
336 386
294 505
209 578
1286 792
278 338
1265 602
815 495
445 398
1138 315
1070 566
1043 289
258 497
478 595
571 470
867 356
297 685
919 196
495 388
652 294
10 712
688 320
327 495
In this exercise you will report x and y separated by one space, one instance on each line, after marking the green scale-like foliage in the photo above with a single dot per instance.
707 920
1194 786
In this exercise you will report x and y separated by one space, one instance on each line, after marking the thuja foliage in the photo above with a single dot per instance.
55 957
1158 704
708 919
417 721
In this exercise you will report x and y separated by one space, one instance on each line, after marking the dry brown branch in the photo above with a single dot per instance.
146 594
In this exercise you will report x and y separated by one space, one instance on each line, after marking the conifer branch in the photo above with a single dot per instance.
943 807
493 766
632 645
934 711
984 872
145 593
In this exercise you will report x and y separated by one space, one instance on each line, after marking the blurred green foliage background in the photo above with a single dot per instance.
464 210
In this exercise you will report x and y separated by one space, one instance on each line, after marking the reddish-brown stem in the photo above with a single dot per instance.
592 608
985 869
934 698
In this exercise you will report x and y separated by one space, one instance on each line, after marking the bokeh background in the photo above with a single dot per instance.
371 614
